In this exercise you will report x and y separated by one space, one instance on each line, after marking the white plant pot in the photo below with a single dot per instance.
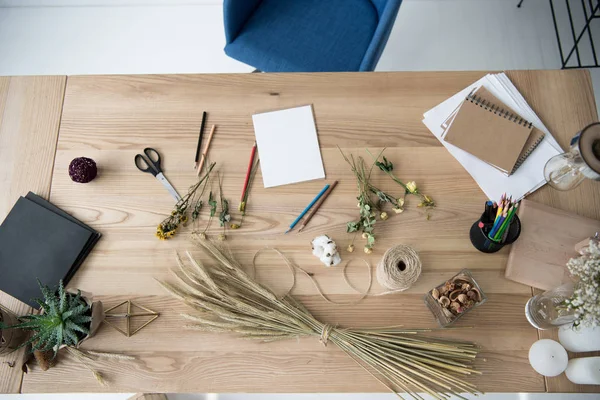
584 371
579 340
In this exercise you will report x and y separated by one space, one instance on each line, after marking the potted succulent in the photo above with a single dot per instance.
66 319
10 339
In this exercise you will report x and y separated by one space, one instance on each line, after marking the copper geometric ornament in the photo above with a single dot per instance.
128 315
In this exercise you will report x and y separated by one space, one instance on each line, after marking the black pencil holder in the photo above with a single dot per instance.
486 245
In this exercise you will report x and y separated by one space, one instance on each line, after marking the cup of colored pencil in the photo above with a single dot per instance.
498 226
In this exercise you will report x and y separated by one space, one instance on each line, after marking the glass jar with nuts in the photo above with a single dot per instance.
454 298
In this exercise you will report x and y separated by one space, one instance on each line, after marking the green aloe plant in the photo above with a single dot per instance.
65 320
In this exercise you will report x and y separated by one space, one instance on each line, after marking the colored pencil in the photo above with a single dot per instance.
312 203
252 153
506 225
317 206
205 152
197 158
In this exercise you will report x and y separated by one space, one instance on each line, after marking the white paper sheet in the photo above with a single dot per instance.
530 175
288 146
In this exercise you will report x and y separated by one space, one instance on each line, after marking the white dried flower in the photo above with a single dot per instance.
585 301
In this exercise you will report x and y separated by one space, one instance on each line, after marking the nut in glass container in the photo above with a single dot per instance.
454 298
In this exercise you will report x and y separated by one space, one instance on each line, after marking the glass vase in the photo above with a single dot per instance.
566 171
546 311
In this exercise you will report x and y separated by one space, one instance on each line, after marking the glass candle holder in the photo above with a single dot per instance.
545 310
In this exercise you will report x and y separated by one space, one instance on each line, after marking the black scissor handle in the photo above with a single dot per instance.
151 164
154 157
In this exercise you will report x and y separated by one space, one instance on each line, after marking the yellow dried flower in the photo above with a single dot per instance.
384 216
234 226
222 237
398 210
364 235
427 202
368 250
350 248
412 187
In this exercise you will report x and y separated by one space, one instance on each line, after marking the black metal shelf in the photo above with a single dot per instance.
576 32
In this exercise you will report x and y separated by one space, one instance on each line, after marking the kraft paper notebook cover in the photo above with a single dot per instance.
547 241
535 138
490 133
40 241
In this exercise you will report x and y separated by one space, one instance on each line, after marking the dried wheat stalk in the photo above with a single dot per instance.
230 301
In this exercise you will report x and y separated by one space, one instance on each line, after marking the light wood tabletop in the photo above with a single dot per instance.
112 118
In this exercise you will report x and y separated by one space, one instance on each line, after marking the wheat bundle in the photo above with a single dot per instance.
230 301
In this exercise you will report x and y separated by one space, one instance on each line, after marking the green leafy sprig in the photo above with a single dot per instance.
410 188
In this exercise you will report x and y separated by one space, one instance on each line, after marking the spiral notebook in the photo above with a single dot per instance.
486 128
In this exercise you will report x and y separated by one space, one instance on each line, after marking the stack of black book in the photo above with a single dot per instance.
40 241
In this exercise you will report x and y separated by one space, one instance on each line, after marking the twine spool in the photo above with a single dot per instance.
399 268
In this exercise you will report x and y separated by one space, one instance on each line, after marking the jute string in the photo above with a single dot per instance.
399 269
293 267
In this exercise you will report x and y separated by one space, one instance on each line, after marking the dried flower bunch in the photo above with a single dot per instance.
585 300
457 296
179 215
372 199
227 300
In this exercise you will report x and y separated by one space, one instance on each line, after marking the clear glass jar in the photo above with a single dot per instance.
567 170
10 339
545 310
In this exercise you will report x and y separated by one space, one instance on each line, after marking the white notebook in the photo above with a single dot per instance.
530 176
288 146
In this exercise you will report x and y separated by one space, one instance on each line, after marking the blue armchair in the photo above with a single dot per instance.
308 35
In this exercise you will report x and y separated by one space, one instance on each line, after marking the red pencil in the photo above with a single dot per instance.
248 173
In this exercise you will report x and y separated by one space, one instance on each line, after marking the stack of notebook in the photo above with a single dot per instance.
492 131
40 241
488 129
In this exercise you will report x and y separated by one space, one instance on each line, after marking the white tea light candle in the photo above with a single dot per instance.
579 340
548 357
584 371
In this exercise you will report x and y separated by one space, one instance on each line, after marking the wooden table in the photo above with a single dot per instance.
111 118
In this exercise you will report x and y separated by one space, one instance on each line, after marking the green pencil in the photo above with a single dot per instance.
506 223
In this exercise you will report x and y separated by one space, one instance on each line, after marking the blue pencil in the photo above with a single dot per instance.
312 203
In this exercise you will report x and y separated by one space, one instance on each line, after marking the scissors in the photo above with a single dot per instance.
153 167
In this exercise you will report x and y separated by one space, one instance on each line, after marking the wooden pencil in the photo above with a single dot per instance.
316 207
250 164
197 158
205 151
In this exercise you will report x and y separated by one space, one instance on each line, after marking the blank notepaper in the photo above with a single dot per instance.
288 146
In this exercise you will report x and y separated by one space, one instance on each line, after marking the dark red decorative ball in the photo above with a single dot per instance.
82 169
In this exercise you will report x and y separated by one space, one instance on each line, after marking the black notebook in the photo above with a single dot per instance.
40 241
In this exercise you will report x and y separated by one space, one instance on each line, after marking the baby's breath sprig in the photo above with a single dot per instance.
585 301
167 228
